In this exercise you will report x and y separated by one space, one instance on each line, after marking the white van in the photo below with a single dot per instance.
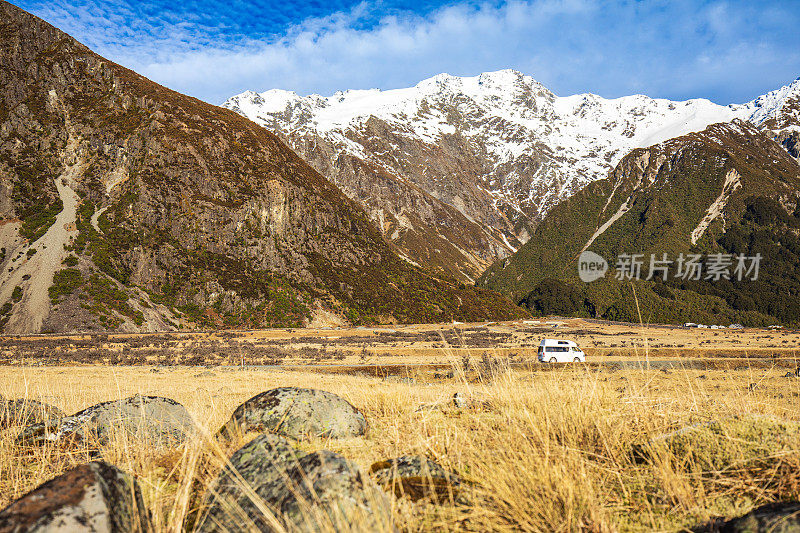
560 351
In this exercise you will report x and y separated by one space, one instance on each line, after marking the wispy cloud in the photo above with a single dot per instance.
727 51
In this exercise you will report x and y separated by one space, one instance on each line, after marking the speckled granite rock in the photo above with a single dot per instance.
297 413
159 421
415 476
91 498
319 491
24 411
772 518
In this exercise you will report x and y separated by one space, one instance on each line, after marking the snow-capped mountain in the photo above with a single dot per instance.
778 112
456 171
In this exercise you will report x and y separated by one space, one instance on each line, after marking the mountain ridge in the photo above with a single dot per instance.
128 206
730 189
499 149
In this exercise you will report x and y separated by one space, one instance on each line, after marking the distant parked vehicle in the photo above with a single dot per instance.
736 326
560 351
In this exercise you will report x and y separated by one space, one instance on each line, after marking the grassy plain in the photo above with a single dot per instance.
546 448
429 344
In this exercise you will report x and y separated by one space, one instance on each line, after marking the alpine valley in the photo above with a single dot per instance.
463 173
730 190
125 206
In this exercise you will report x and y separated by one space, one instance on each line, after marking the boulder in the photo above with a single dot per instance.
297 413
157 421
24 412
91 498
717 445
772 518
270 486
417 477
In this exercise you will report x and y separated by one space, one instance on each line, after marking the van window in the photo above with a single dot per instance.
557 349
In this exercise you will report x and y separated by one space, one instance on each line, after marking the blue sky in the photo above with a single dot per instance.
727 51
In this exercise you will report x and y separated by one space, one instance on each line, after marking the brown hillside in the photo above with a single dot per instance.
171 210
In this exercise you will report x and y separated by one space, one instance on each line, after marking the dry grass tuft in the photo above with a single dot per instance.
565 450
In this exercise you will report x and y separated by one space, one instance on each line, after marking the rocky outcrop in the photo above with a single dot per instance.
91 498
24 412
791 142
297 413
270 486
778 112
416 477
159 422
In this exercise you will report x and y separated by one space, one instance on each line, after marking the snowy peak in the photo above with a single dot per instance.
499 83
573 139
498 149
345 108
777 109
506 110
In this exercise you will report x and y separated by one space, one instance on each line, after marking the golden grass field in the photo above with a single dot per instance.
421 344
545 450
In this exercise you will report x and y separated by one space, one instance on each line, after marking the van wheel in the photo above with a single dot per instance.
576 360
553 360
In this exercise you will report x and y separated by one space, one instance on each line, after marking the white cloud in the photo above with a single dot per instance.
723 50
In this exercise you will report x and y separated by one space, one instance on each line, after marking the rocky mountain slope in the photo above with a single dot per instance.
124 206
730 189
456 172
778 113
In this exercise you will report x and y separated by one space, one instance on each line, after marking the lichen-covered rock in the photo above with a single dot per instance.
271 486
297 413
157 421
747 440
772 518
24 411
416 476
91 498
